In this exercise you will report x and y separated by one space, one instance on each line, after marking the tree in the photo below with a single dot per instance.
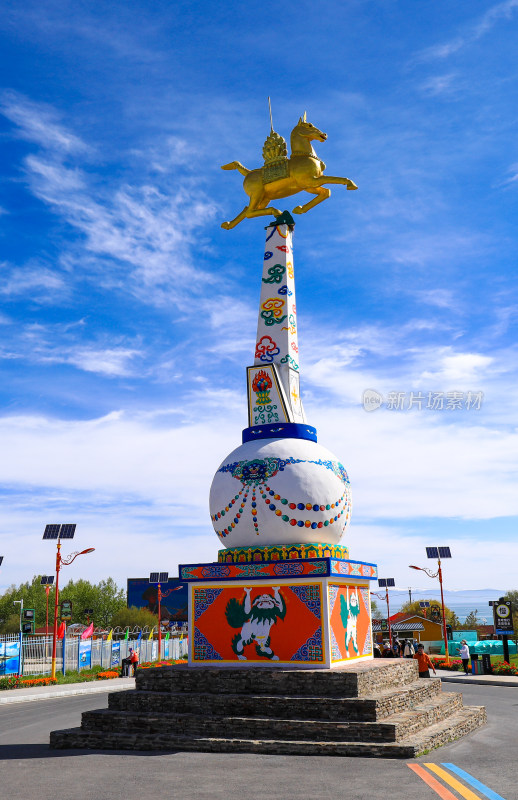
105 598
415 608
512 595
134 617
472 621
375 611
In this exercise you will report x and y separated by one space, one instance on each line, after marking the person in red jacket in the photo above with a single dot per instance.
424 662
134 662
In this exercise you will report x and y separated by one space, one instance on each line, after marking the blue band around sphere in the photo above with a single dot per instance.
280 430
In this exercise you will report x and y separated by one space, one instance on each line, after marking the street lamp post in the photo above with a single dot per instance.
385 583
58 532
159 578
438 553
47 581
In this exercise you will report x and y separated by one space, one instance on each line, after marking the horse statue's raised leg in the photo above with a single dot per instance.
237 165
258 207
321 192
321 195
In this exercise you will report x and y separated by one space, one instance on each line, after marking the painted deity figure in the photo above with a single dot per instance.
349 612
255 620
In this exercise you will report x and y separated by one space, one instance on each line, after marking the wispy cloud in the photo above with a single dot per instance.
40 124
471 34
40 284
137 238
439 84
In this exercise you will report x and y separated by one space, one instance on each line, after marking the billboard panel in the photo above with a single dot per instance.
143 594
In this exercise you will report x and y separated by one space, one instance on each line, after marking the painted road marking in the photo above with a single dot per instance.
453 782
486 791
441 790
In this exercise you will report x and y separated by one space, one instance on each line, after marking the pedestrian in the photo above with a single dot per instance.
408 649
125 664
387 650
463 651
134 662
376 650
424 662
396 647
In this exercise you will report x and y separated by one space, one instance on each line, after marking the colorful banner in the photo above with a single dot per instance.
9 658
116 654
84 655
154 651
258 624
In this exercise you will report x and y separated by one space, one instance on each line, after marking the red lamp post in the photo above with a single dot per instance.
159 578
59 563
385 583
438 574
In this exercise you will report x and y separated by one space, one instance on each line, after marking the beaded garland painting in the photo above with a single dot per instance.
350 622
258 489
266 623
236 555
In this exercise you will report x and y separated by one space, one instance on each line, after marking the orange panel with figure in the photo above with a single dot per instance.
350 622
259 623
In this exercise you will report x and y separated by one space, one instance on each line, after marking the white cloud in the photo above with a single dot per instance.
38 283
471 34
439 84
40 124
137 238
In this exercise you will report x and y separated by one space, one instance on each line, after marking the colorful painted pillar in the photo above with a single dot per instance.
284 591
276 349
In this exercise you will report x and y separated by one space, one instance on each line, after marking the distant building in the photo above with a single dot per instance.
410 626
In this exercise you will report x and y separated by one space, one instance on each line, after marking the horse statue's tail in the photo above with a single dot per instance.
236 165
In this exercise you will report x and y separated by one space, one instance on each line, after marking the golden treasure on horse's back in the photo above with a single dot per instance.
281 176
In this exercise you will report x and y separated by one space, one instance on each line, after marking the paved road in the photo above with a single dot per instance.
30 770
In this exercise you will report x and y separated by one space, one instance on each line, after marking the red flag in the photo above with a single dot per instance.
61 630
88 631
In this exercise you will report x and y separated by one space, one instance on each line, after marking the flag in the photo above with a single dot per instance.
126 635
88 631
110 635
167 636
61 630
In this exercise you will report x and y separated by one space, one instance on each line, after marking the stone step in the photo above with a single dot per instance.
461 722
394 728
362 679
291 706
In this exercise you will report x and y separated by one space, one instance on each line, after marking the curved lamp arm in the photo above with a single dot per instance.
72 557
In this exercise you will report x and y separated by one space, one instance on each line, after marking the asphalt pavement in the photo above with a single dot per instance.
30 769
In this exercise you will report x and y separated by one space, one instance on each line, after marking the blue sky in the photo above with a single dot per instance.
128 316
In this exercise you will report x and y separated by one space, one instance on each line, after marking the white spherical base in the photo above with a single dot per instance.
280 491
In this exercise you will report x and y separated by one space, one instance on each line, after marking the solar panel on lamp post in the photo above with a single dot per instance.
438 553
57 532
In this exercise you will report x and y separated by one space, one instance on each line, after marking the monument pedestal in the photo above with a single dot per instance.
300 612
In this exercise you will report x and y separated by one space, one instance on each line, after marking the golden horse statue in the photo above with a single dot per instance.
282 176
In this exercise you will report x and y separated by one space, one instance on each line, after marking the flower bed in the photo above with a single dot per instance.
167 663
503 668
108 675
439 663
15 682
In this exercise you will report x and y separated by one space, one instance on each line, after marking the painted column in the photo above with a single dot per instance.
276 349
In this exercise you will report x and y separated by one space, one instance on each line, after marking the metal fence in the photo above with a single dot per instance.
35 653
